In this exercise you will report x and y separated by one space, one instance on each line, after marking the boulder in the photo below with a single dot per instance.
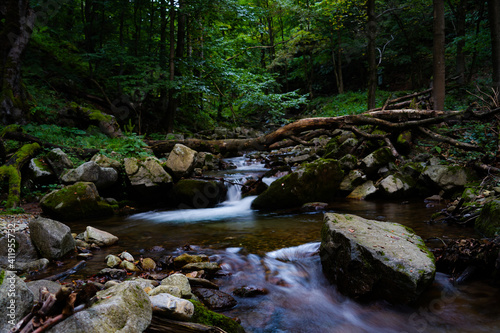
25 251
206 161
363 191
348 162
91 172
169 306
195 193
369 259
374 161
147 178
181 161
180 281
343 149
488 222
106 162
396 186
205 316
16 300
449 178
35 286
99 237
40 172
353 179
316 181
58 160
53 239
124 308
172 290
215 299
187 258
76 202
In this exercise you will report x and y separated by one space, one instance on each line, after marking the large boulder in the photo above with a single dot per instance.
52 238
488 222
76 202
16 300
90 171
396 186
25 251
58 160
369 259
124 308
196 193
374 161
363 191
147 177
181 161
316 181
449 178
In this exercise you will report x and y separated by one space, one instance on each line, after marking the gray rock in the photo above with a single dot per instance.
447 177
374 161
16 300
113 261
354 179
35 265
180 281
91 172
106 162
181 160
124 308
39 172
172 307
53 239
215 299
209 267
147 178
25 251
396 186
363 191
58 160
370 259
172 290
36 285
99 237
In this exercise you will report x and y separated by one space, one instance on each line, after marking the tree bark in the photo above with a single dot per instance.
439 82
371 31
16 24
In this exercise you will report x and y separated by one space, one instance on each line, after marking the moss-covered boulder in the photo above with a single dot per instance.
374 161
204 316
449 178
196 193
148 179
75 202
369 259
363 191
488 222
396 185
316 181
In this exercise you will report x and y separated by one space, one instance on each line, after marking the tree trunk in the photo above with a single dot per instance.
16 24
494 17
169 117
438 82
461 13
371 32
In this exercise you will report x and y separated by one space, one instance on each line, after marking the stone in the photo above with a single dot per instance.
35 286
25 251
353 179
172 307
148 264
34 265
396 186
209 267
172 290
76 202
106 162
380 157
129 266
148 178
126 256
99 237
144 283
363 191
14 305
316 181
180 281
91 172
215 299
449 178
488 222
196 193
187 258
40 172
58 160
52 239
113 261
123 308
181 161
348 162
369 259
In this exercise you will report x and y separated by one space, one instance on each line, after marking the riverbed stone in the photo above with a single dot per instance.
148 179
208 267
374 161
112 261
16 299
76 202
369 259
25 251
488 222
214 299
449 178
99 237
187 258
363 191
90 171
316 181
180 281
181 161
197 193
352 180
52 239
172 290
124 308
172 307
396 186
36 285
58 160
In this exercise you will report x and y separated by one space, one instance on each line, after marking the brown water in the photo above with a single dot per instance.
278 252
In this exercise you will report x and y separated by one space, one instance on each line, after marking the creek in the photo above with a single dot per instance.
277 252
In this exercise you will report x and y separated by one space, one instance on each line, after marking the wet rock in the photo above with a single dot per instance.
215 299
207 317
368 259
488 222
314 206
363 191
122 308
113 261
15 305
199 282
180 281
249 291
76 202
187 258
129 266
148 264
91 172
209 267
172 290
52 239
169 306
113 273
99 237
181 161
316 181
195 193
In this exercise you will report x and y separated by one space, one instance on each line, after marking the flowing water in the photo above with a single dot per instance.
277 252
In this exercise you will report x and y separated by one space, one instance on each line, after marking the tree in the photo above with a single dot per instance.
16 24
439 79
371 32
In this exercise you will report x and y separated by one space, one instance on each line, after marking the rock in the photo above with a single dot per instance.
186 258
148 264
180 281
172 290
449 178
34 265
363 191
123 308
147 177
76 202
314 206
99 237
129 266
52 239
113 273
126 256
205 316
207 161
215 299
113 261
396 186
172 307
369 259
316 181
91 172
199 282
488 222
106 162
144 283
16 300
209 267
249 291
40 172
35 286
195 193
348 162
380 157
181 161
59 161
353 179
25 251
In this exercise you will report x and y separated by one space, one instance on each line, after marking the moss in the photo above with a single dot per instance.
488 221
2 276
11 128
204 316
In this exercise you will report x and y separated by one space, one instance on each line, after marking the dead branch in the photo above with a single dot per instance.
453 142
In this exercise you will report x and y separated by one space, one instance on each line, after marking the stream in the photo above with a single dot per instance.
277 252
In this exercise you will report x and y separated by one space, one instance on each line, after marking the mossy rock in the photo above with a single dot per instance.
76 202
488 222
204 316
316 181
197 193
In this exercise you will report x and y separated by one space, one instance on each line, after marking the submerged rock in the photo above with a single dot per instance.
369 259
